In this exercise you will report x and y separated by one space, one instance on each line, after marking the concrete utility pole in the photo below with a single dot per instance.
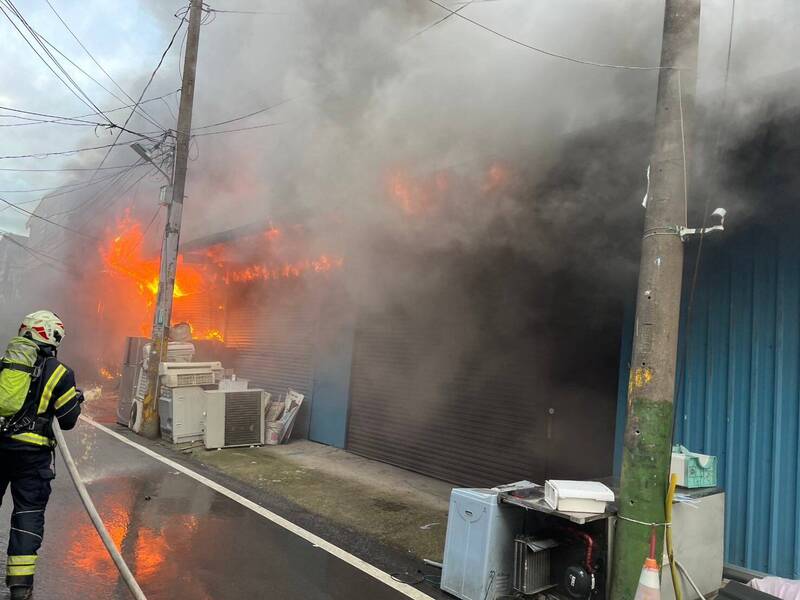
172 232
648 434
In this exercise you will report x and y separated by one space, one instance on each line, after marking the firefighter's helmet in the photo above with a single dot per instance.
43 327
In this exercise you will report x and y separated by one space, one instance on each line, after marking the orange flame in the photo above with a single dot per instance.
323 264
107 374
122 256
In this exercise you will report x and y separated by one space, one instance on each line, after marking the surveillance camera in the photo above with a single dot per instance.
720 213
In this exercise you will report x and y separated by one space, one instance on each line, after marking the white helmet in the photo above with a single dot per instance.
43 327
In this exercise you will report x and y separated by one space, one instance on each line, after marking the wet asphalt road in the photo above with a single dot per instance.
182 539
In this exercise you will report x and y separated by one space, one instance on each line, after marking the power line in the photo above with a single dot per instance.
571 59
76 90
81 117
45 115
65 169
72 151
65 188
264 126
35 253
46 220
144 90
106 73
243 12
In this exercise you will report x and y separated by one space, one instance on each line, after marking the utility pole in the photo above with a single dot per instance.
172 232
651 392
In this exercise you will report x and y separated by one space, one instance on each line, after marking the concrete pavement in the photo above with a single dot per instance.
184 539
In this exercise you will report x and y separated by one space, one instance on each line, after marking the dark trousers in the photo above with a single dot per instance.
28 473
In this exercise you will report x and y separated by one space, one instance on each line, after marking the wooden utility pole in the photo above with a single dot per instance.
648 433
172 231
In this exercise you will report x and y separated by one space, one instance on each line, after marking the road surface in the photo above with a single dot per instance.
182 539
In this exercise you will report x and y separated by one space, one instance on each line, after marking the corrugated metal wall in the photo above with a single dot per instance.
738 390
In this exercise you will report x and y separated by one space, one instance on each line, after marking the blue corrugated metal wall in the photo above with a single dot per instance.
738 389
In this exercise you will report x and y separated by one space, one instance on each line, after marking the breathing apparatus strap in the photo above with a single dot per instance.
26 420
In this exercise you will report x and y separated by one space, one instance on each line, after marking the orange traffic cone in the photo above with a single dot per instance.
649 581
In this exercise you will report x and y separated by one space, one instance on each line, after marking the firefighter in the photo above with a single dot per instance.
35 387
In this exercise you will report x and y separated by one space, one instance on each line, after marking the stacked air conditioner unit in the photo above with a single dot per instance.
234 418
182 401
176 352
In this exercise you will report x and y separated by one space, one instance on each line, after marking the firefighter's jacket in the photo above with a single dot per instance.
55 395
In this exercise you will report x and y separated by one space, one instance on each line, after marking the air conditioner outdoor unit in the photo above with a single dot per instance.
179 374
181 411
234 418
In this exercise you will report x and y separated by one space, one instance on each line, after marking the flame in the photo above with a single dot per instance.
107 374
411 196
122 257
497 177
210 334
201 276
264 272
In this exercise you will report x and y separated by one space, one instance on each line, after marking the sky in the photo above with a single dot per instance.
357 86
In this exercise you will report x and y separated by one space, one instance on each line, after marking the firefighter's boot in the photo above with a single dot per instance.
21 592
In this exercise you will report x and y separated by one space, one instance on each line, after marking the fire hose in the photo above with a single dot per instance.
120 563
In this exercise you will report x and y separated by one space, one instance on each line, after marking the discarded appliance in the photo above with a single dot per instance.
580 553
479 547
181 403
131 365
140 348
181 411
578 496
234 418
514 530
698 533
184 374
694 470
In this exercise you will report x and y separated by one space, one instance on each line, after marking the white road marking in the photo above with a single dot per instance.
315 540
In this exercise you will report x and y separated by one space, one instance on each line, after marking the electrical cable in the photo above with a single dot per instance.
139 110
146 87
35 253
442 20
148 116
72 151
119 180
85 116
681 379
689 579
115 180
265 125
64 188
571 59
243 12
75 89
97 521
64 169
46 220
676 581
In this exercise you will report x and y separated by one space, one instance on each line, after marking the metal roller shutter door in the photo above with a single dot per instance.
468 431
273 331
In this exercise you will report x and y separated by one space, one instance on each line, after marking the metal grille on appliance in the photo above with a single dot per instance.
242 418
532 565
194 379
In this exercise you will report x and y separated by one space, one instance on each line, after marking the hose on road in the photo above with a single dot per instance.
124 571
